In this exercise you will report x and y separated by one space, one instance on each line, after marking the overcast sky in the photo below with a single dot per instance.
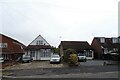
56 20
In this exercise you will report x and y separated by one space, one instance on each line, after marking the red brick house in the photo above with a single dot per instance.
10 50
103 45
78 46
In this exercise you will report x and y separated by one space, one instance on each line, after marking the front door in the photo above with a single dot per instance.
37 55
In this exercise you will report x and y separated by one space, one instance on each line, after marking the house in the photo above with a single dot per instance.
10 50
78 46
39 49
103 45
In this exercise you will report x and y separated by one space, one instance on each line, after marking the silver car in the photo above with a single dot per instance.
55 59
1 60
82 57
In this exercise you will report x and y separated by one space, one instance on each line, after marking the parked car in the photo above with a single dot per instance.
19 59
1 60
27 59
114 56
55 58
82 57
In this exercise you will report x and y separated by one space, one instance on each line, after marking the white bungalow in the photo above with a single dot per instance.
39 49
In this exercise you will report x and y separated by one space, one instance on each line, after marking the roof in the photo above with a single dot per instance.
76 45
12 39
108 43
37 47
38 37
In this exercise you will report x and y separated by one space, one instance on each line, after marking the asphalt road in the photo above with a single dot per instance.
60 79
70 72
57 71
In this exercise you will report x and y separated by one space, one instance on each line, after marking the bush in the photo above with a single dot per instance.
70 57
67 54
73 59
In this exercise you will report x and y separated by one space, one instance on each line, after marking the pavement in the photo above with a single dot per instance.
80 75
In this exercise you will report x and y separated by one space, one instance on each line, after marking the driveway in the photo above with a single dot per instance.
46 64
34 65
91 68
93 63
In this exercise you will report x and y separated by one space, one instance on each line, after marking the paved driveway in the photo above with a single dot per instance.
46 64
35 64
45 69
93 63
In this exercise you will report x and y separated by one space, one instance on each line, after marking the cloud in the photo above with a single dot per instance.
70 19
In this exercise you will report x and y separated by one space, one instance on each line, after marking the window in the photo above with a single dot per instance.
39 42
3 45
45 53
32 53
5 56
115 40
102 40
88 53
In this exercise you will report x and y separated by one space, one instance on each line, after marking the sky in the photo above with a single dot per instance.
58 20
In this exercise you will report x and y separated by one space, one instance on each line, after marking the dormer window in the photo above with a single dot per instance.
115 40
102 40
39 42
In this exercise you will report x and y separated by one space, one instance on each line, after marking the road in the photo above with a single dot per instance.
89 69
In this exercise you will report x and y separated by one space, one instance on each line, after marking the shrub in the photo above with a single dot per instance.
70 57
67 54
73 59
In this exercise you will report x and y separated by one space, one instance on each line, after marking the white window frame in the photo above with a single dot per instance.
39 42
102 40
32 53
5 56
45 53
115 40
88 53
3 45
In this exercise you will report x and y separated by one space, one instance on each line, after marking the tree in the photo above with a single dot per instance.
56 50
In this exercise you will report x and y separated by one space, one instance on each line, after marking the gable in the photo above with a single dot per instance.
39 41
9 45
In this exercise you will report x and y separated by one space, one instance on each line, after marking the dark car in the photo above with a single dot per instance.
27 59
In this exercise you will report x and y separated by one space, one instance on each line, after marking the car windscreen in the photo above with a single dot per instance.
55 56
26 57
81 54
